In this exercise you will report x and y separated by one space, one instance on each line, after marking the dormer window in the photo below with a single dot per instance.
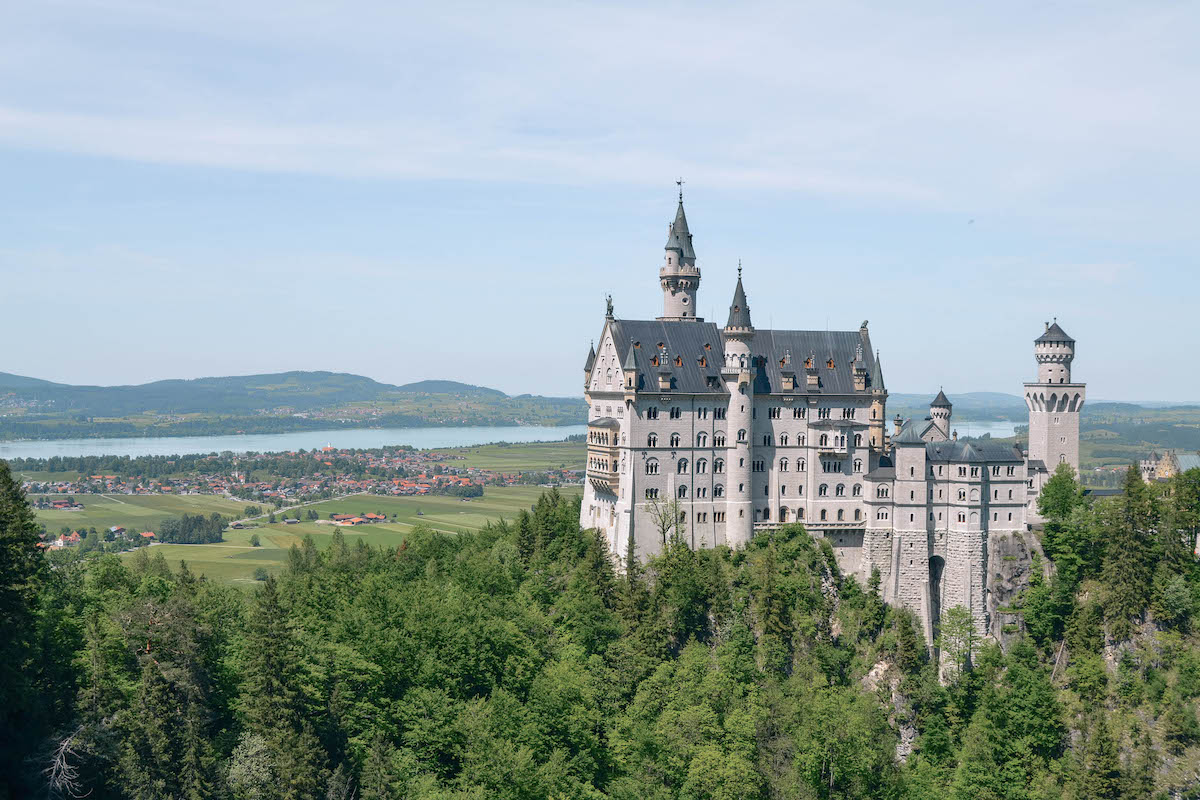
829 363
654 361
678 361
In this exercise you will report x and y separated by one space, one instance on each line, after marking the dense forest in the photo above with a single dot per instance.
519 662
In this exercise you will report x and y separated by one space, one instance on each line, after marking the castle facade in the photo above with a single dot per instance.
734 430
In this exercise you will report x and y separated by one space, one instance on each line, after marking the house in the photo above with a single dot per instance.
147 534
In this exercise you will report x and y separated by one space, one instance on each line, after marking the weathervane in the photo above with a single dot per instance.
679 182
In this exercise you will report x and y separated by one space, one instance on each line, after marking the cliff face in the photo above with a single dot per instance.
1009 564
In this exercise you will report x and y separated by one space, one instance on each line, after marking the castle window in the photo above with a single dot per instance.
652 412
847 413
701 440
701 516
718 439
823 490
701 466
783 465
783 491
758 466
824 441
718 466
767 440
858 440
1010 494
824 515
682 467
651 467
702 491
773 412
841 515
766 514
766 491
829 363
741 436
718 516
741 462
882 491
857 514
840 491
881 515
718 413
676 412
857 491
783 440
718 491
974 472
681 492
1010 516
962 494
702 413
823 413
858 465
783 514
678 361
801 465
651 494
674 440
652 440
741 490
801 440
798 413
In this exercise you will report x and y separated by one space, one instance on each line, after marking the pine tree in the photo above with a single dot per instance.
1100 777
1127 566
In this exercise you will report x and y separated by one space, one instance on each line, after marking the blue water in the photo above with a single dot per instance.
361 438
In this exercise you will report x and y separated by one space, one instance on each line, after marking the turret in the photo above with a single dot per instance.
738 337
1054 351
679 275
939 411
878 404
587 365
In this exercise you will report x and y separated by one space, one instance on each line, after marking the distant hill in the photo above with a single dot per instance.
449 387
978 405
10 381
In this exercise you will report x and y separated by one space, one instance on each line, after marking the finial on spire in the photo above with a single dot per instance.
739 269
679 182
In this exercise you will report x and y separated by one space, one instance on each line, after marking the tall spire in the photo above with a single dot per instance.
877 373
739 309
679 276
679 238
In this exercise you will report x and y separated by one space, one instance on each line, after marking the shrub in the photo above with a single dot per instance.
261 574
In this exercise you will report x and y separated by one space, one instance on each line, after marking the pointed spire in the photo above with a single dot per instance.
679 238
739 310
941 401
630 358
591 358
877 373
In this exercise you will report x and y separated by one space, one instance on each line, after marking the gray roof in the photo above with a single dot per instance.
941 401
591 359
604 422
881 474
1187 461
769 348
909 434
683 339
739 309
876 381
630 361
972 451
1054 334
678 237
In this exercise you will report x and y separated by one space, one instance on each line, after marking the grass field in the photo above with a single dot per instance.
235 561
142 513
523 457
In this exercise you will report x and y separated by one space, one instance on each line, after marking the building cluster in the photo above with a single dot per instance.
1164 466
724 432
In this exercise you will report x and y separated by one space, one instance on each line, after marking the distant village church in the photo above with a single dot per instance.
746 429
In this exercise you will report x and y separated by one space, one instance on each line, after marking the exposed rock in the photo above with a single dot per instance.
1009 561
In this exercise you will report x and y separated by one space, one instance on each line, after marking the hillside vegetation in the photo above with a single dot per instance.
515 662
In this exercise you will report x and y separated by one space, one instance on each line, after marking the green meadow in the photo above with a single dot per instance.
523 457
135 512
235 560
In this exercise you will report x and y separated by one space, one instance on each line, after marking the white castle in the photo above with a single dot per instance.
740 429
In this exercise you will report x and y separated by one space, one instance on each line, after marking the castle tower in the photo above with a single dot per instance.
1054 402
878 429
737 374
679 276
939 411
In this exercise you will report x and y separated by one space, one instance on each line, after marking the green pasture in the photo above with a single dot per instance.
135 512
532 456
235 560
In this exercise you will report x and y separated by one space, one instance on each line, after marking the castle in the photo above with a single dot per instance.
740 429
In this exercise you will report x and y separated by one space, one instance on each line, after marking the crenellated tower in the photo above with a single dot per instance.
939 411
679 275
1054 402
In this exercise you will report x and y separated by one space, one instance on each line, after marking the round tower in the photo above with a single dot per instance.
1054 351
939 411
738 375
679 275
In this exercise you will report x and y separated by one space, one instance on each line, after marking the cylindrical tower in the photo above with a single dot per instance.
679 275
1054 351
939 411
737 373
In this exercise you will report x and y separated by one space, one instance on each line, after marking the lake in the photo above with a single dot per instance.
360 438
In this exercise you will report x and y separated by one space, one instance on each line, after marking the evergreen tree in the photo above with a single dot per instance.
1100 776
1127 567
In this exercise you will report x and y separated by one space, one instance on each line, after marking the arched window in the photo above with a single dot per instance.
857 514
681 492
824 515
741 436
858 465
652 467
802 440
783 465
674 440
841 515
766 514
800 513
701 440
882 491
823 490
783 514
701 466
858 440
718 491
718 466
841 490
767 440
652 440
824 440
682 466
801 465
783 440
857 490
718 439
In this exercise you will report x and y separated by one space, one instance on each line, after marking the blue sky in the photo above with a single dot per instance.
448 191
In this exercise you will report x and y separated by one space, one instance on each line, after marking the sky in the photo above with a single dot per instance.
449 190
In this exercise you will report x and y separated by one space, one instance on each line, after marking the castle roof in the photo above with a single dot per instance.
678 236
909 434
877 373
690 341
591 359
739 309
604 422
1054 334
972 452
838 347
630 358
941 401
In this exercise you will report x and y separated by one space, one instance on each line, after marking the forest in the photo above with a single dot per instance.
526 661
